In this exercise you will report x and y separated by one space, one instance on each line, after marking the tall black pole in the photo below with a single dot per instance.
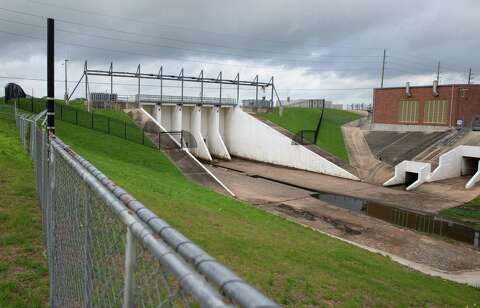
50 76
438 72
383 67
469 76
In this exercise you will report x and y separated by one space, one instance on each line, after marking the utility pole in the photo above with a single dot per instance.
66 80
50 76
470 76
438 72
383 66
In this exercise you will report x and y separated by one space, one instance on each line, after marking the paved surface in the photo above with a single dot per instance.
368 167
451 188
395 147
323 183
251 182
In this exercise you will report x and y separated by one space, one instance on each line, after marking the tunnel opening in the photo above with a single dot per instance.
410 178
470 165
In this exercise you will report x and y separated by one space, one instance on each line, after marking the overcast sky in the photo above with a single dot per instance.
314 48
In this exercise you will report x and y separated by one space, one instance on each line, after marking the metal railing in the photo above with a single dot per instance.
106 249
171 99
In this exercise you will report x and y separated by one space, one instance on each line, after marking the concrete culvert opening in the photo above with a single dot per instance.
470 165
410 178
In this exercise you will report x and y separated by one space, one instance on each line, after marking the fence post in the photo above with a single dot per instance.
125 129
51 222
76 117
61 112
87 209
130 258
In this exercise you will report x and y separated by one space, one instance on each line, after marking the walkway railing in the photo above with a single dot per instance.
106 249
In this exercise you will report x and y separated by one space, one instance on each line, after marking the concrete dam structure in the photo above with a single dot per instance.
223 131
460 161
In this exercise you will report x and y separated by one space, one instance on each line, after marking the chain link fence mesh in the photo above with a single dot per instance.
100 253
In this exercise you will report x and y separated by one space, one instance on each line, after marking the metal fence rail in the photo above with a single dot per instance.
105 249
171 99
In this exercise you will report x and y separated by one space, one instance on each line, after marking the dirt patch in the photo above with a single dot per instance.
337 223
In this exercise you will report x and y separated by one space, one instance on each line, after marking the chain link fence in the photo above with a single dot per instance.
105 249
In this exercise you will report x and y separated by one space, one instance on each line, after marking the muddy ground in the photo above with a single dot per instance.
287 192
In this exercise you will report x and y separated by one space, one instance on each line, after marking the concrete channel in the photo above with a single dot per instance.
291 193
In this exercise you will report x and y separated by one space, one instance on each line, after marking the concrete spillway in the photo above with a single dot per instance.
460 161
225 131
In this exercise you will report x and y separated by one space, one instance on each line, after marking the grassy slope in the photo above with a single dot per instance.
23 272
330 138
106 112
468 213
294 265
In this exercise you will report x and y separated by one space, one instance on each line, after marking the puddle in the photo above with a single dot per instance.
349 203
427 223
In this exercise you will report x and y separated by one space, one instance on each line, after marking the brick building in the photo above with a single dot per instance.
443 105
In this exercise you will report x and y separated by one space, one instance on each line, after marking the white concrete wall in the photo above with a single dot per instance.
157 113
422 169
166 118
250 138
177 118
474 179
204 123
195 129
215 142
186 117
222 115
407 128
451 164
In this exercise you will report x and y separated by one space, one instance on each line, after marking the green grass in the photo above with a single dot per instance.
330 137
23 269
116 123
468 213
294 265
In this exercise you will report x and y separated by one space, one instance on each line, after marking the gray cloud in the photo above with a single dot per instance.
306 44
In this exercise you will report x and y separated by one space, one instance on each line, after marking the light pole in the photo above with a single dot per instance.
66 80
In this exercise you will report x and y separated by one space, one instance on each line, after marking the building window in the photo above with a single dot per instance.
436 112
408 112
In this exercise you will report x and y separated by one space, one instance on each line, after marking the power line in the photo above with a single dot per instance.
148 22
136 34
154 56
428 66
181 48
189 87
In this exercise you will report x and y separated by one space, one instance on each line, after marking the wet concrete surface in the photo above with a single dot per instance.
316 182
451 188
257 184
